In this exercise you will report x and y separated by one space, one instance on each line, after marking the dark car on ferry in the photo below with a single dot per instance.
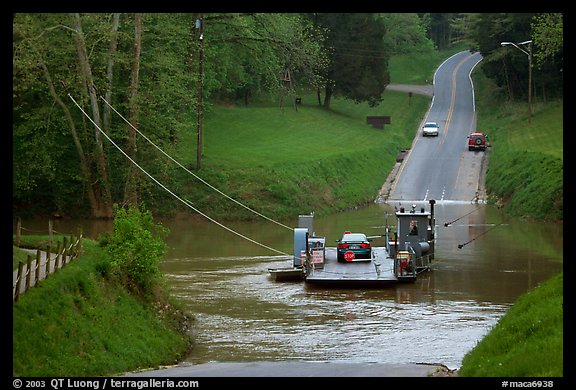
353 247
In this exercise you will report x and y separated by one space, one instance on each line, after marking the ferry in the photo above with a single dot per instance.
406 254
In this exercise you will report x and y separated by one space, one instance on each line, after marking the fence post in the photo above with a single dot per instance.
58 254
37 268
72 247
28 267
18 231
50 231
18 281
80 242
47 262
80 234
64 251
75 248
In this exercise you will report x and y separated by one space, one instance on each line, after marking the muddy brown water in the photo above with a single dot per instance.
484 261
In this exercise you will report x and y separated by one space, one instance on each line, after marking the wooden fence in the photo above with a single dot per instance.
30 273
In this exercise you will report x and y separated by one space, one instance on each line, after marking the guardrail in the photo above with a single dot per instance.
33 271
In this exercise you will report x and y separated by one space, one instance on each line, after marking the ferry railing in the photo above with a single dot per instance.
404 265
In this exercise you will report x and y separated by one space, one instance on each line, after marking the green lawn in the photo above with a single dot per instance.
544 134
287 162
419 69
264 136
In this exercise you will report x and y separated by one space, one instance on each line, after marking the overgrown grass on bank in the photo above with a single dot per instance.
77 323
527 341
525 171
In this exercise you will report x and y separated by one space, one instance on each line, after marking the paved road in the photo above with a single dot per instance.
298 369
442 168
427 90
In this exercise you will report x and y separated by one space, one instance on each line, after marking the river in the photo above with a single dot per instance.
483 262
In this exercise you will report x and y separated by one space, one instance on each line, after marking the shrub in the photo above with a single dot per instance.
136 247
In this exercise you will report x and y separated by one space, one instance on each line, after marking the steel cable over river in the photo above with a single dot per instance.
194 175
185 202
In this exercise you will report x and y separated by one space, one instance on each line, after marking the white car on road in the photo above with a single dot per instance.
430 129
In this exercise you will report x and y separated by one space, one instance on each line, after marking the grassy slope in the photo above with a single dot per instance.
77 324
527 341
525 172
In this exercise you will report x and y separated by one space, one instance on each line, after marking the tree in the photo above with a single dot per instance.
130 193
110 70
547 33
507 66
441 29
247 54
136 247
53 58
44 47
104 207
405 33
61 150
358 68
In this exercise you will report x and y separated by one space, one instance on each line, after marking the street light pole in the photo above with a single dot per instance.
530 57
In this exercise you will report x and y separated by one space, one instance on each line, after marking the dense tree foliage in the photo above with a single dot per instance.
440 29
144 66
507 65
405 33
548 32
136 247
358 67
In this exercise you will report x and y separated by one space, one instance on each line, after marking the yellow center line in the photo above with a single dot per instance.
446 126
452 99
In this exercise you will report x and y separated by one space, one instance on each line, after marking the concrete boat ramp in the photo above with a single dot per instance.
301 369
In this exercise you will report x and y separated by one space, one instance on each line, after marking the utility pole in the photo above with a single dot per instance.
529 53
199 149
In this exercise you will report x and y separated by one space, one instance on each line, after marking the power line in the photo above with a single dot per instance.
459 218
170 192
460 246
193 174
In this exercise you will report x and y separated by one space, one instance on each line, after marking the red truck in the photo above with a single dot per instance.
477 141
